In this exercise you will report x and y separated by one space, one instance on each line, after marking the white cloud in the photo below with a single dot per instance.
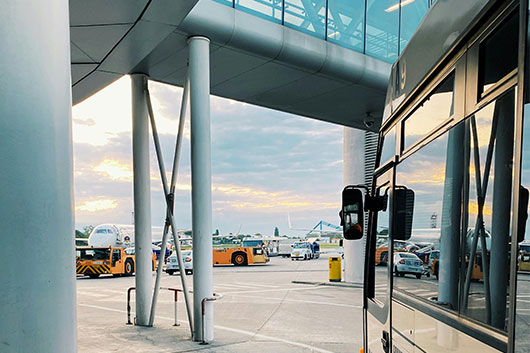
97 205
265 163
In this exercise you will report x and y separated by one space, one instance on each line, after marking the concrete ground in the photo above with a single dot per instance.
262 311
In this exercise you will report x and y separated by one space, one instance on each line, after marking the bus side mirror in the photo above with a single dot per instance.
403 213
352 216
523 213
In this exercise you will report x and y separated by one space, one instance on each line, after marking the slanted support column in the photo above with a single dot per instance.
142 200
354 168
201 185
37 263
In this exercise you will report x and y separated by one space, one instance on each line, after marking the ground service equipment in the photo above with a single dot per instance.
240 256
96 261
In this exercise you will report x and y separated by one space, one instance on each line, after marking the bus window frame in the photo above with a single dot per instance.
397 145
522 91
474 102
425 95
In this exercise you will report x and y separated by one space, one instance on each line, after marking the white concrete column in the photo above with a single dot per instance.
37 262
353 155
142 200
201 183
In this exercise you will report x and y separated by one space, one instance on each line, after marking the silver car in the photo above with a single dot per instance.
172 264
407 263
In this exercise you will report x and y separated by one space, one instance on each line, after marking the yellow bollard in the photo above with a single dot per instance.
335 269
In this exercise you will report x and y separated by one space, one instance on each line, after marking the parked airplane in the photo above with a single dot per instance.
111 234
119 235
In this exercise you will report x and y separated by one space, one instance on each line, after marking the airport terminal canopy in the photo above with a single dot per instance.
328 60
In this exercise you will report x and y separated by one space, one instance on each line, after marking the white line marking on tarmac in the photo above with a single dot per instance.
225 328
256 285
113 291
279 290
226 285
418 290
299 301
91 294
270 338
104 308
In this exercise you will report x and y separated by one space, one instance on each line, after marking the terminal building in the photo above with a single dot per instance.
326 60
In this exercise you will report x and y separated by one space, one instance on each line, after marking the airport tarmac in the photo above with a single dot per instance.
262 311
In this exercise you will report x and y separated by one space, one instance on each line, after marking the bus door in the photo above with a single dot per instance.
378 278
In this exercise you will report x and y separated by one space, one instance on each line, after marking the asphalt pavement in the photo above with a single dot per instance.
262 311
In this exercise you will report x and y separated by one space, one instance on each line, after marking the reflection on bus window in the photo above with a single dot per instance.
388 150
463 185
424 172
489 204
437 108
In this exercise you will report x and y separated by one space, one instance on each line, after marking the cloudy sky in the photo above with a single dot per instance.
265 164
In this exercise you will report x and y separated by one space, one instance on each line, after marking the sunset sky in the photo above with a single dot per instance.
265 164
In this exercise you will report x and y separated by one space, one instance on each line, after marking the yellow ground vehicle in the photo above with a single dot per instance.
476 272
95 261
524 263
381 253
240 256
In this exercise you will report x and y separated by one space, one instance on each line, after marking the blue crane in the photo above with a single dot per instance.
323 223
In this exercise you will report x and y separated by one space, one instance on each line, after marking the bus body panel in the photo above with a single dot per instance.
374 333
432 335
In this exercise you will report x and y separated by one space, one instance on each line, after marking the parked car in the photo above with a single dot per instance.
301 250
407 263
172 264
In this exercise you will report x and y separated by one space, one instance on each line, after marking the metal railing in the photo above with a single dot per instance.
203 309
174 290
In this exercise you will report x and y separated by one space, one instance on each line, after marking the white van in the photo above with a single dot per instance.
285 247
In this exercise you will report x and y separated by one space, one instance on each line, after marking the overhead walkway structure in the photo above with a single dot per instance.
323 59
328 60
